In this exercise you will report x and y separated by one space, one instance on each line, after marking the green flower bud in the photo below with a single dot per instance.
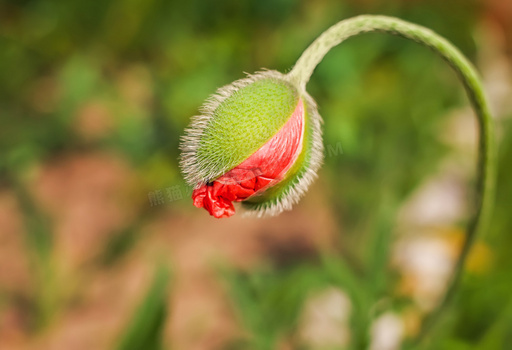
237 122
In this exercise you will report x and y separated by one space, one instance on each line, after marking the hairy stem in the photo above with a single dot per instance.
343 30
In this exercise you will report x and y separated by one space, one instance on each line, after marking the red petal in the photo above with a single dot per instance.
262 182
218 207
198 196
264 168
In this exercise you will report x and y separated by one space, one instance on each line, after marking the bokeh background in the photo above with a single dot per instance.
101 248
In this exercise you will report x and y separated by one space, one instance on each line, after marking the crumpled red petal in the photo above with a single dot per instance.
263 169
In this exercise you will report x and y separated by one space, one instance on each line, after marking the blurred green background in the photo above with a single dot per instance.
101 248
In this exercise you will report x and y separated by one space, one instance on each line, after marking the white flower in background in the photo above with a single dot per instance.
387 332
325 320
440 200
426 263
425 255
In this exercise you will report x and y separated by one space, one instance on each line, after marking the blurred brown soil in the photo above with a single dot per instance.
86 197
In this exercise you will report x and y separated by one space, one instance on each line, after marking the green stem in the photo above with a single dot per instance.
343 30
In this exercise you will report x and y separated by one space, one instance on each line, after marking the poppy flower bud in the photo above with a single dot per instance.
258 141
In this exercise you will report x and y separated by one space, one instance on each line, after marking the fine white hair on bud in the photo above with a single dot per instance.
236 122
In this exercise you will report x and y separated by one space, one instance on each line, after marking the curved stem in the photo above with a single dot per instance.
343 30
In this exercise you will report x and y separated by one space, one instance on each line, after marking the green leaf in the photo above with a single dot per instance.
144 331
